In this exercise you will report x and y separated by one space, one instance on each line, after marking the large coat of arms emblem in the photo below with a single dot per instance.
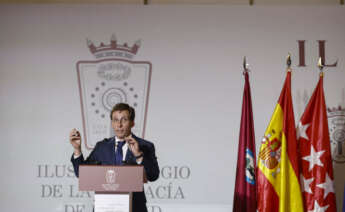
336 123
112 78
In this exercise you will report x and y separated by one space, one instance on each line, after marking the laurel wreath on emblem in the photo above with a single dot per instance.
114 71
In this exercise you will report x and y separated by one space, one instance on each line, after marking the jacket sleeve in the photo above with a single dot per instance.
92 159
150 162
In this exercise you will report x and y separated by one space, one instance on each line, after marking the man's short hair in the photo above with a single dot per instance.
122 107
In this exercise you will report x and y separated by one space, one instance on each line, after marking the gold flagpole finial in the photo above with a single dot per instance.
288 63
320 65
244 63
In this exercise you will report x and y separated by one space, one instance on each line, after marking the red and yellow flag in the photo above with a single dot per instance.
278 184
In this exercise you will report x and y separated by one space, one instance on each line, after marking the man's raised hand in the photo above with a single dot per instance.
75 140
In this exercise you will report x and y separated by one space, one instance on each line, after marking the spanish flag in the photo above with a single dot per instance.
278 171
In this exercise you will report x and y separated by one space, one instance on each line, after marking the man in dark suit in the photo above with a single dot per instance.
124 148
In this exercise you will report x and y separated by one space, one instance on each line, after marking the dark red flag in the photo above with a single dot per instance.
245 185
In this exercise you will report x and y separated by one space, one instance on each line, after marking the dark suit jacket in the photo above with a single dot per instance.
104 154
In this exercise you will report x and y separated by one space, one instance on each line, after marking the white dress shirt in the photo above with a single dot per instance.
124 151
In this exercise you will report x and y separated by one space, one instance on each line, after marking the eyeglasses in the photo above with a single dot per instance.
120 121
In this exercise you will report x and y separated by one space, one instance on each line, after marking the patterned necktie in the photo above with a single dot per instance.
118 153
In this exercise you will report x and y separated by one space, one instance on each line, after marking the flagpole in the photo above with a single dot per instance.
245 183
314 142
278 187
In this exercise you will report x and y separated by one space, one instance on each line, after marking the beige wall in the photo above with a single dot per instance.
195 97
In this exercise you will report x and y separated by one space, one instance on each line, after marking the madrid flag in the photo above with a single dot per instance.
315 155
278 171
245 186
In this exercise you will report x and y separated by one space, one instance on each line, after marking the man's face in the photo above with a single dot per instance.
121 123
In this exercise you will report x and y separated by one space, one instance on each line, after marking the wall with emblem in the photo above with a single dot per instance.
64 66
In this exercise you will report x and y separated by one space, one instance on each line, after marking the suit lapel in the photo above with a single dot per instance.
129 156
111 150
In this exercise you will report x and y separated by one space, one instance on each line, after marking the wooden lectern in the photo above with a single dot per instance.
113 185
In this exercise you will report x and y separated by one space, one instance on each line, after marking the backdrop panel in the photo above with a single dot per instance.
190 101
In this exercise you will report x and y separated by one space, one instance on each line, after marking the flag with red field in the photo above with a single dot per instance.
315 155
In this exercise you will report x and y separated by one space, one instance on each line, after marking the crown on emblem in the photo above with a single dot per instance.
114 49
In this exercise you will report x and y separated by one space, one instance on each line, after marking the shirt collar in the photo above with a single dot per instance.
117 140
